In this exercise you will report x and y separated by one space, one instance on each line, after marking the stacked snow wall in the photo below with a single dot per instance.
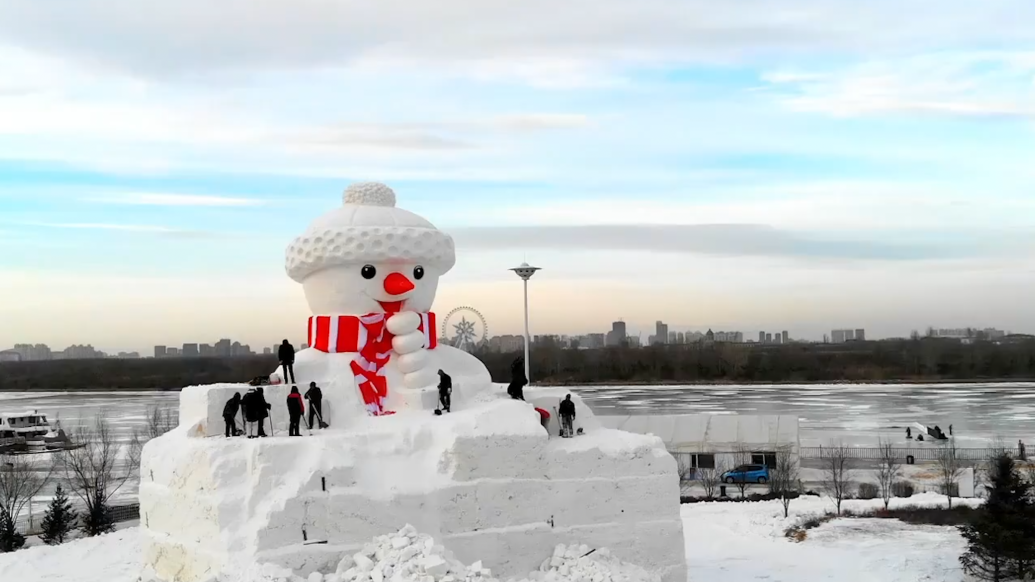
487 482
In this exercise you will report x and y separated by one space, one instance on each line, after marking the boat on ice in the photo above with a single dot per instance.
29 432
929 432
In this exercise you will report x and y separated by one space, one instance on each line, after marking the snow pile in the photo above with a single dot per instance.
409 556
406 556
580 564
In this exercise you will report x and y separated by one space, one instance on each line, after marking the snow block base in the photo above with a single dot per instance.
487 482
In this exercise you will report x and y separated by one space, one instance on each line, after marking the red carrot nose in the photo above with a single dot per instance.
397 284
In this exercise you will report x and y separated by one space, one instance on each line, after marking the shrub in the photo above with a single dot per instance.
902 489
868 491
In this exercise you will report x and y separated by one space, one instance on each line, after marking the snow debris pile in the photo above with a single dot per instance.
581 564
408 556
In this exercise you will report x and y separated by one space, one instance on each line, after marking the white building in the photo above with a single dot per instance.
716 441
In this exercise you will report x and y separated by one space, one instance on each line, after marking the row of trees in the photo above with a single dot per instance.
915 359
96 469
918 359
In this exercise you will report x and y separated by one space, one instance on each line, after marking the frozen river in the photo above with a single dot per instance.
855 413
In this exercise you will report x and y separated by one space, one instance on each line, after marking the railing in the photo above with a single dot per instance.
119 513
920 454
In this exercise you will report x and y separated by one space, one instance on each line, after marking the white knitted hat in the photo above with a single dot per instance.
368 228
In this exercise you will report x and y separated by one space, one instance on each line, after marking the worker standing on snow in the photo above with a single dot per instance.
286 355
445 390
230 414
567 413
517 380
296 409
315 397
256 410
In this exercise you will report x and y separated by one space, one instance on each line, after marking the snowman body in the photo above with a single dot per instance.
370 273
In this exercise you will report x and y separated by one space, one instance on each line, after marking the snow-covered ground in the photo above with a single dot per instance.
724 542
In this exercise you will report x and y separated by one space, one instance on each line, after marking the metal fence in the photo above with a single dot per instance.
919 454
30 524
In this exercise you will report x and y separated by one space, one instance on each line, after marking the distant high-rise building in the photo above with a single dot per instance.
840 336
128 355
34 353
224 348
761 337
768 339
661 332
267 351
10 356
206 351
172 352
160 351
777 339
785 337
617 335
190 351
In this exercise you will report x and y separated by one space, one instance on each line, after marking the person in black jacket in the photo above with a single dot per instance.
256 409
567 412
445 390
230 414
286 355
517 379
315 397
296 409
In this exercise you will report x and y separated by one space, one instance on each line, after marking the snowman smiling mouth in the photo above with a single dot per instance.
395 284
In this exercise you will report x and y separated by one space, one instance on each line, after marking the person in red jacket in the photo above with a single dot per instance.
296 409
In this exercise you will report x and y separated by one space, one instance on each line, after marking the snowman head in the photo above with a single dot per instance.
369 257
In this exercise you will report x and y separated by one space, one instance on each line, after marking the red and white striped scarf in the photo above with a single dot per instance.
368 337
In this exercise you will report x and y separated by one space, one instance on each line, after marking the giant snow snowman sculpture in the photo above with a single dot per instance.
486 480
370 272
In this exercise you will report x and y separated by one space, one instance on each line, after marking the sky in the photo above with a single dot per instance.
734 165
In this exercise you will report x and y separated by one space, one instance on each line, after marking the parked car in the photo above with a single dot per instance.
747 474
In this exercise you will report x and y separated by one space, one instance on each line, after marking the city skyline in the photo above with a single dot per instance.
803 165
676 335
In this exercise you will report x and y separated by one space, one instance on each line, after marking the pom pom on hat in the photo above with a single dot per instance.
368 228
370 194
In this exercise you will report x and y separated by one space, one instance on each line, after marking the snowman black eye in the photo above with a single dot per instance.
418 272
368 271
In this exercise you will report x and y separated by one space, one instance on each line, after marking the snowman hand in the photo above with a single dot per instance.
406 329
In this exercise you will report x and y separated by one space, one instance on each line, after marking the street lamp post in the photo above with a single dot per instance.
525 272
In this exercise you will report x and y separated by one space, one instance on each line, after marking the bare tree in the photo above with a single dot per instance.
159 422
889 469
741 456
22 477
93 471
837 472
687 473
710 478
784 477
950 468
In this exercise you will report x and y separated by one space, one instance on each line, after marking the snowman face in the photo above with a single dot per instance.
371 288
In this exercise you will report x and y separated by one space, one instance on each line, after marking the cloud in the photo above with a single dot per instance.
147 199
713 239
313 33
134 228
988 84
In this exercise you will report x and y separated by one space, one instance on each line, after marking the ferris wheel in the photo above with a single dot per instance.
464 328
